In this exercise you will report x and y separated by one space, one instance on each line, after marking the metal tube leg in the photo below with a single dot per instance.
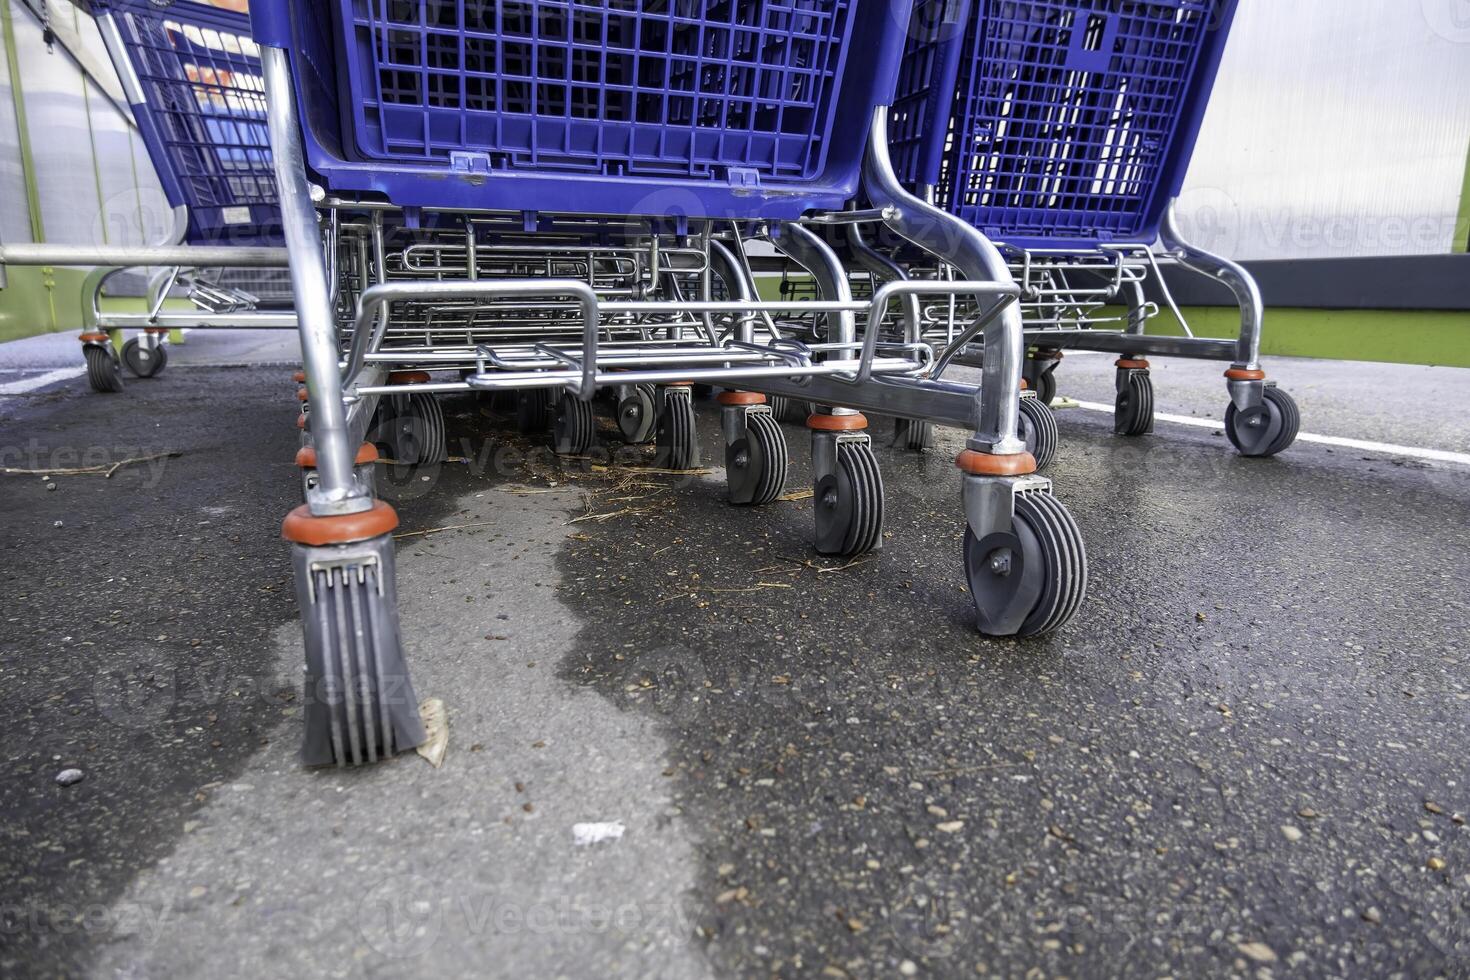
817 258
1245 379
1232 274
972 253
881 267
338 491
723 263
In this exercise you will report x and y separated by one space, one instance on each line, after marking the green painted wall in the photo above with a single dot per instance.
1398 336
40 301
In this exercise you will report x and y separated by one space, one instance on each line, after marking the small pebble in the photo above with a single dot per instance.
1291 833
908 968
67 777
50 486
1259 952
1435 864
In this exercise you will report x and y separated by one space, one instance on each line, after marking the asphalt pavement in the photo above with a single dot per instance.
1246 756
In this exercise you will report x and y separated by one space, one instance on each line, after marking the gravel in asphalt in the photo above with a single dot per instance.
1247 752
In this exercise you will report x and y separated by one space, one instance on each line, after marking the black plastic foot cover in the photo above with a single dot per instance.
360 704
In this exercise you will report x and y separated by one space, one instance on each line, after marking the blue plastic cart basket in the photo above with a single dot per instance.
1056 123
702 108
199 101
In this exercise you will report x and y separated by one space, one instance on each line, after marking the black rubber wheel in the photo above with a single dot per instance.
411 428
914 435
1030 580
103 373
573 430
1267 429
533 411
755 466
794 411
1038 430
144 362
1133 410
849 503
1046 386
678 440
638 415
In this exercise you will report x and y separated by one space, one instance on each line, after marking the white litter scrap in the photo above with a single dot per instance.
436 728
587 834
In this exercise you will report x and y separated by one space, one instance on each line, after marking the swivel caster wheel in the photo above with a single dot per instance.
755 465
1046 387
412 427
533 411
574 429
102 370
638 415
1040 374
1029 580
849 502
144 362
1038 430
1266 429
1133 410
678 440
793 410
914 435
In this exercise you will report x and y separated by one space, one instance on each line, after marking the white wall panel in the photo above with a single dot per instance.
1337 128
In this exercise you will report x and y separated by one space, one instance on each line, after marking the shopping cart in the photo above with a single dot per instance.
555 200
191 73
1063 129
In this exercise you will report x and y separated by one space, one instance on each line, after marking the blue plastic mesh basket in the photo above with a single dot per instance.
1071 119
920 118
203 118
617 87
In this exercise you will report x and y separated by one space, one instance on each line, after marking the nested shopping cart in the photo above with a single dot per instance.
555 199
191 73
1063 129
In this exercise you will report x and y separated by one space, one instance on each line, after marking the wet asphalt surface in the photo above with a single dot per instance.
1246 754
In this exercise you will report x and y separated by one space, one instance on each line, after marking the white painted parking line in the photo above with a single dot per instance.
41 380
1386 448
